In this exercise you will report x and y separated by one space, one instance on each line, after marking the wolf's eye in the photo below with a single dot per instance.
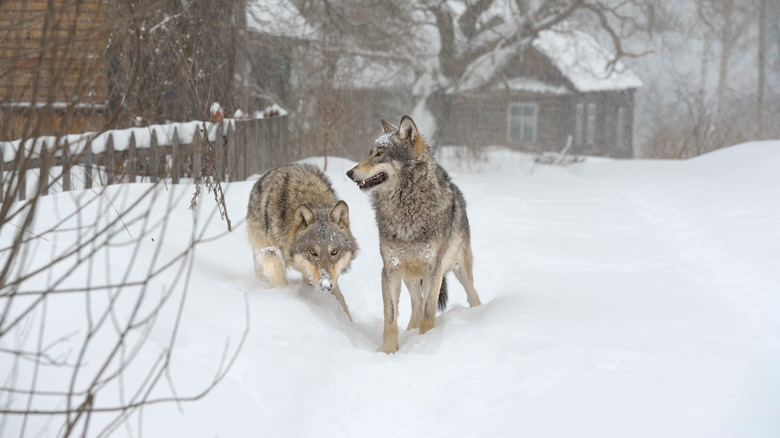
379 153
334 252
313 252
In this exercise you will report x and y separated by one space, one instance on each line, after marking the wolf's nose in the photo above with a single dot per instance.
349 173
326 285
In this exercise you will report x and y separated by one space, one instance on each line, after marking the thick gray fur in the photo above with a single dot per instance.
295 220
423 228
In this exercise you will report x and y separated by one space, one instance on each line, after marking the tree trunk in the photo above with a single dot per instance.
700 130
761 65
725 44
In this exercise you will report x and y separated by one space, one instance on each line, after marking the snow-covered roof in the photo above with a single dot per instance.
531 85
278 18
584 62
578 57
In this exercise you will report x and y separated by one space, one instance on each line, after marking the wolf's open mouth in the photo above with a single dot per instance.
375 180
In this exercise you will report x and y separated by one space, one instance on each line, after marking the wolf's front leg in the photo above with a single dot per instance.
391 289
337 293
273 266
431 288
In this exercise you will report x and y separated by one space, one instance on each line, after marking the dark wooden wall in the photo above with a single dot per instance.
51 55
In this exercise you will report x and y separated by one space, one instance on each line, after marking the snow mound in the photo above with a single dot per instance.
621 298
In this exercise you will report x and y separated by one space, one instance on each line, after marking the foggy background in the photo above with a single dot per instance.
708 68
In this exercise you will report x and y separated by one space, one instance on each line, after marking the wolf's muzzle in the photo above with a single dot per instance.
325 284
363 184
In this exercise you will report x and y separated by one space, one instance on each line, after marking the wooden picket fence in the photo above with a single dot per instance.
240 148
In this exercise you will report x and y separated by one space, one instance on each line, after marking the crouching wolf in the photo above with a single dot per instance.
294 220
423 228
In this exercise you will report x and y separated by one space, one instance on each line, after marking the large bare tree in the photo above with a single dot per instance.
469 30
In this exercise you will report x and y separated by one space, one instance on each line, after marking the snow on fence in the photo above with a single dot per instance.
241 148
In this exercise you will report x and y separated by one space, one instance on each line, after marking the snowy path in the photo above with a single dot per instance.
628 298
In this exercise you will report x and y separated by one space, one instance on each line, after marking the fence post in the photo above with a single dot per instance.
88 160
65 155
241 154
284 139
109 160
132 159
2 174
23 172
219 160
196 149
231 152
154 160
175 167
43 170
273 152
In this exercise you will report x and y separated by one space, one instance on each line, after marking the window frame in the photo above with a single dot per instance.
521 118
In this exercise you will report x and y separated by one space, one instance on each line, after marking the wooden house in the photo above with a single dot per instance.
563 86
52 66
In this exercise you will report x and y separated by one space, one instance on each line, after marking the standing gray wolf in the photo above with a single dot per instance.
423 228
294 220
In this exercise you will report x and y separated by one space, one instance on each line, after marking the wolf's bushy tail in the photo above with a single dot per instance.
443 294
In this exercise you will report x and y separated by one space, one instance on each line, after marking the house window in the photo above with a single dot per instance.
620 134
579 124
591 135
521 122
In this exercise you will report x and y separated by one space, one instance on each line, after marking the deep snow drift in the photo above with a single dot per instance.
621 298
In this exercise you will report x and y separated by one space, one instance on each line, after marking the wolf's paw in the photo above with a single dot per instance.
277 281
389 348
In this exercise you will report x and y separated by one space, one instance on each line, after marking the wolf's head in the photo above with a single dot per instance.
394 149
323 245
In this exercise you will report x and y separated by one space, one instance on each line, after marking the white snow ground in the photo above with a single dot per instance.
621 298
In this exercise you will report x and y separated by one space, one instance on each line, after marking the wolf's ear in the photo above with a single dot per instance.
340 214
303 217
407 130
388 127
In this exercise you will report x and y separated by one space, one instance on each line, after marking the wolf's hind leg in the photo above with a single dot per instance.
431 289
415 293
464 272
273 266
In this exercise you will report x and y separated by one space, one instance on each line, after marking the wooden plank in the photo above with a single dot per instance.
109 160
154 160
88 160
43 170
132 159
219 150
66 165
2 174
196 149
241 154
22 177
176 166
231 152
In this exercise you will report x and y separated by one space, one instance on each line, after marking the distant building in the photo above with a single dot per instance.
52 62
562 86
